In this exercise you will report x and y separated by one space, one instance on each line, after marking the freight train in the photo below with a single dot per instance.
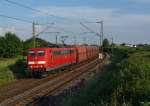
42 60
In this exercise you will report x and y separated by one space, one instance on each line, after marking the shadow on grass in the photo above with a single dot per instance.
19 69
147 56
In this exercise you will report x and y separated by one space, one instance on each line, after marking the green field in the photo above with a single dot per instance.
6 75
124 82
10 70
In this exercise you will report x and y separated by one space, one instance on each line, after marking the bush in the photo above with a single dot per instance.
125 82
39 42
10 45
2 46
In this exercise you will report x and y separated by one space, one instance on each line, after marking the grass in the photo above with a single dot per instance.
10 70
6 75
124 82
97 89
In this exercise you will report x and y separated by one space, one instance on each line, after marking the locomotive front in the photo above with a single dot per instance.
36 60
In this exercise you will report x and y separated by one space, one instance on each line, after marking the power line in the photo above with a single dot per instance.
39 11
27 21
43 31
63 30
12 27
35 10
14 18
30 8
21 5
89 29
22 20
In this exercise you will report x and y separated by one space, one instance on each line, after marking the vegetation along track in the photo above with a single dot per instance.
22 85
69 87
46 85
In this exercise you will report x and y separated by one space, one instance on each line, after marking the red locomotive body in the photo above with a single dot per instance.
41 60
81 53
92 51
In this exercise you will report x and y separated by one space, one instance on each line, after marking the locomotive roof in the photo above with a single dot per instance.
39 48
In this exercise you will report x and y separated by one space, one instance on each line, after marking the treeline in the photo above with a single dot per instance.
11 45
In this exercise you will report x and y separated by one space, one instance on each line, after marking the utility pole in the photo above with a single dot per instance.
101 34
33 33
56 37
112 45
56 40
63 38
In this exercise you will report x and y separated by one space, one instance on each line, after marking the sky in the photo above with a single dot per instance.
127 21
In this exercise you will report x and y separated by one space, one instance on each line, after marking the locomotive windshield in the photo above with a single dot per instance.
31 53
41 53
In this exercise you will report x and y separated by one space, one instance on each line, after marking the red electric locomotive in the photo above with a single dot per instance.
42 60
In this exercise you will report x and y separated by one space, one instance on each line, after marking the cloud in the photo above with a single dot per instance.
77 12
3 30
141 1
125 27
131 28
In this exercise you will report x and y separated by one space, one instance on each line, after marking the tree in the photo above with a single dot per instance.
39 42
123 44
113 44
105 43
13 45
2 46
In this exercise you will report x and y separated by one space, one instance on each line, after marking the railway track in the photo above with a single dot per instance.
73 84
32 87
56 97
22 85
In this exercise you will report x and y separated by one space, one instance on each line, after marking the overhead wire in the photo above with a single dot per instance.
35 10
89 29
9 27
14 18
45 29
27 21
22 5
22 20
19 19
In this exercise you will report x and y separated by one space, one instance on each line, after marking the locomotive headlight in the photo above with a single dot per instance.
41 62
31 62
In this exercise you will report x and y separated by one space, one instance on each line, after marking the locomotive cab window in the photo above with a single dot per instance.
61 52
41 53
65 52
31 53
57 52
